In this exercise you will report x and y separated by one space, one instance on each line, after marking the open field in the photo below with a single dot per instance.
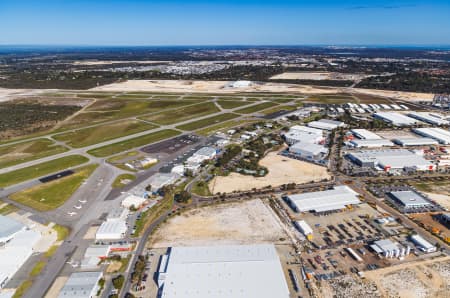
41 169
423 279
256 108
247 222
441 199
133 143
207 121
279 108
223 126
184 114
282 170
102 133
51 195
231 104
317 76
22 152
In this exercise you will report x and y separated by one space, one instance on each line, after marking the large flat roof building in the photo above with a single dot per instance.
371 143
388 159
326 124
415 141
309 151
223 272
365 134
8 228
81 285
431 118
410 199
439 134
323 201
396 119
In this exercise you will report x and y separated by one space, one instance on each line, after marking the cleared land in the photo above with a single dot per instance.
133 143
184 114
41 169
316 76
256 108
207 121
231 104
51 195
282 170
246 222
101 133
22 152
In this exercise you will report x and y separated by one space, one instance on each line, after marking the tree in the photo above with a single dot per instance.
118 282
183 196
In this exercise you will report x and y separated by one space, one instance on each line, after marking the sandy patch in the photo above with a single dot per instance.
114 266
56 287
90 234
317 76
282 170
443 200
248 222
407 96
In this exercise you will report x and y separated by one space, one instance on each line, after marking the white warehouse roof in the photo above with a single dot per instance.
327 200
308 148
304 227
371 143
112 229
306 129
410 199
395 118
431 118
224 271
8 228
133 201
325 124
365 134
439 134
81 285
415 141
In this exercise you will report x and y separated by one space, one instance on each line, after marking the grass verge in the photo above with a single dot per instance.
41 169
133 143
51 195
207 121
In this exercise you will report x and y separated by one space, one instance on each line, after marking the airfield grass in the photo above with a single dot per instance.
331 98
41 169
115 148
279 108
187 113
26 151
207 121
22 288
222 126
282 100
97 134
231 104
115 109
256 108
7 209
61 231
118 181
51 195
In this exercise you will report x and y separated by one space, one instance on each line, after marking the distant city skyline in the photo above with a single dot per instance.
245 22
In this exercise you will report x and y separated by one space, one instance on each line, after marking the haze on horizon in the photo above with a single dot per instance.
233 22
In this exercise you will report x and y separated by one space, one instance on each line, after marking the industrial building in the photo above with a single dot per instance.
396 119
133 201
323 201
222 271
409 199
16 246
405 142
423 244
115 226
304 134
391 159
371 143
365 134
304 228
309 151
94 254
431 118
326 124
389 249
159 180
81 285
439 134
444 218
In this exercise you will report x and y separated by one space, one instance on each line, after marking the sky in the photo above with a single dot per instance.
219 22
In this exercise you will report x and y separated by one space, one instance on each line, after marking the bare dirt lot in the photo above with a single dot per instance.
425 279
282 170
246 222
441 199
318 76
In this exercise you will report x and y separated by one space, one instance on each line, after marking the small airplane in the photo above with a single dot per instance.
82 201
78 207
71 213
